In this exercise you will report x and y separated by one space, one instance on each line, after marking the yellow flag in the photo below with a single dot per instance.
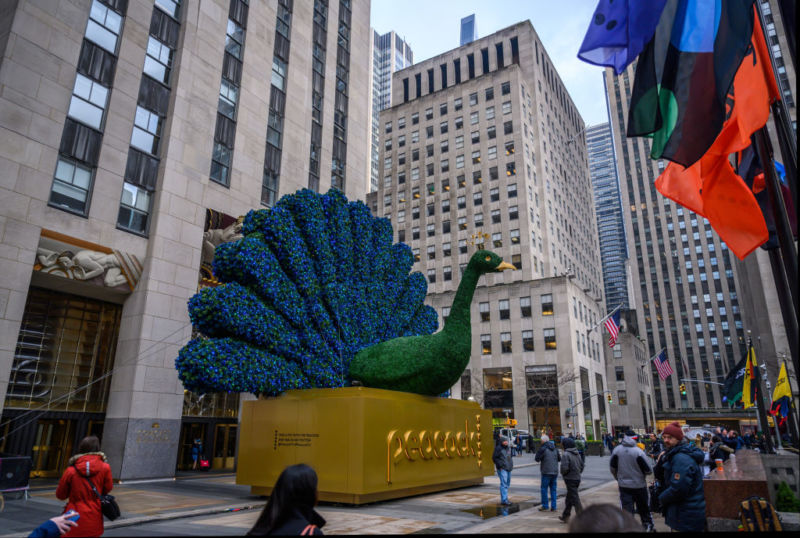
750 384
782 388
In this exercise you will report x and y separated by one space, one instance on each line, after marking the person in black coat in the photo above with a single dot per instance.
290 510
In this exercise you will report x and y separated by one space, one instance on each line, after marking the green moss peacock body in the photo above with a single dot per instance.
316 295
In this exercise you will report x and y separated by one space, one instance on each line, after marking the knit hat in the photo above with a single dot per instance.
674 429
631 434
544 438
567 442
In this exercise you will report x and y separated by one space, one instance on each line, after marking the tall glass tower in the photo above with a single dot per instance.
608 208
469 30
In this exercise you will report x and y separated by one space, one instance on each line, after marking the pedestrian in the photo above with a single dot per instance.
629 466
580 446
85 469
656 446
719 450
54 527
678 470
197 452
571 469
519 444
504 463
605 518
290 509
548 457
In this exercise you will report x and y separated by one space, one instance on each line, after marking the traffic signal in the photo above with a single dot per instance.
513 422
683 389
610 399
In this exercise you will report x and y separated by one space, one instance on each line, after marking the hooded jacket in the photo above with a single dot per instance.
502 455
74 487
629 464
682 496
571 463
548 457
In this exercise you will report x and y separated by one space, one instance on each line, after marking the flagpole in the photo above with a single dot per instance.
596 325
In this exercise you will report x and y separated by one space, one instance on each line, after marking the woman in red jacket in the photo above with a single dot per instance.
88 463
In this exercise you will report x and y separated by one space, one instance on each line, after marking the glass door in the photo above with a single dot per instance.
224 446
52 448
189 432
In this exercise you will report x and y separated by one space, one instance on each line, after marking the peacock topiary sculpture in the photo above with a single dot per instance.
315 295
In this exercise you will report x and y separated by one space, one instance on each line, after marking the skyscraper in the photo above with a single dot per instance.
683 276
134 135
389 53
469 30
608 207
474 155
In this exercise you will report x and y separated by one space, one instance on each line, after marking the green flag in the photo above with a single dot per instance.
732 389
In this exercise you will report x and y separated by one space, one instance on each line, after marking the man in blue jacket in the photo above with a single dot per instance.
548 457
679 471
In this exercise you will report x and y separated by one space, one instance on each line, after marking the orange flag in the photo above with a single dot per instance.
710 187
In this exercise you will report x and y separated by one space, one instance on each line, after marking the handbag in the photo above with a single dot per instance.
108 505
654 490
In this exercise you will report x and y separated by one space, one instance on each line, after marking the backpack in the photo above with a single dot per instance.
758 515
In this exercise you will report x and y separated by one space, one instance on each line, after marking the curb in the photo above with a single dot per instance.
127 522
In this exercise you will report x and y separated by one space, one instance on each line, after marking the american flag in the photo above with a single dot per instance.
612 325
662 365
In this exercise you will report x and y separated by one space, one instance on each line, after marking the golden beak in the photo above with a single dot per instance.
503 266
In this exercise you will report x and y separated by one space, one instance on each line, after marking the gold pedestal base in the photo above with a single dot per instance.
365 444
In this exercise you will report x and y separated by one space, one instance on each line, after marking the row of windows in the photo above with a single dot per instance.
447 271
461 199
458 123
506 345
224 133
83 129
277 103
475 138
318 53
496 239
339 151
513 214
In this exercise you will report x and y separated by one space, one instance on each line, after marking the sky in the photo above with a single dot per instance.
432 27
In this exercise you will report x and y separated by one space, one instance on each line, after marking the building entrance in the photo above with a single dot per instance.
52 447
224 446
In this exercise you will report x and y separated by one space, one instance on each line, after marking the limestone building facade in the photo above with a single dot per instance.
134 134
484 148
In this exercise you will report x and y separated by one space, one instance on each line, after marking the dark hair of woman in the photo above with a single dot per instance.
295 489
603 518
89 444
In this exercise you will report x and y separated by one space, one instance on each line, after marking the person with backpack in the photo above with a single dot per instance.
678 470
85 479
629 466
571 469
290 509
548 457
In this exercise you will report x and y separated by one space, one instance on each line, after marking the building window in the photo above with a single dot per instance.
505 88
549 338
473 117
527 340
509 147
457 104
431 275
490 113
486 344
483 308
134 208
104 26
505 342
495 216
71 186
462 246
514 235
525 307
415 118
547 304
447 272
508 127
622 397
158 60
431 231
429 113
497 240
477 198
446 226
473 98
88 101
443 127
492 152
146 131
446 245
516 261
491 132
460 143
505 312
511 169
619 371
507 107
478 220
513 212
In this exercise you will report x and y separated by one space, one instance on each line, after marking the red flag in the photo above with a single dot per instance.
710 187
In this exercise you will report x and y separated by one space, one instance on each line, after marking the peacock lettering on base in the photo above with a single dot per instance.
315 295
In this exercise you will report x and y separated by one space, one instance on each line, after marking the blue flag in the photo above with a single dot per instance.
619 31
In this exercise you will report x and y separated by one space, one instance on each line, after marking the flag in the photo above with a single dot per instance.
612 325
684 74
662 365
710 187
732 387
751 380
619 31
782 396
752 173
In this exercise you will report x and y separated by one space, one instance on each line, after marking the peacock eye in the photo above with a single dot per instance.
488 258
